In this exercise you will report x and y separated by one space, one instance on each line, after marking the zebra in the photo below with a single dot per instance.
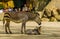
20 17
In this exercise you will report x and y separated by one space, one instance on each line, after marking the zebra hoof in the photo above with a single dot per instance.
7 33
10 32
21 32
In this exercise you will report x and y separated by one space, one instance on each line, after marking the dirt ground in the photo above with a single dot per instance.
49 30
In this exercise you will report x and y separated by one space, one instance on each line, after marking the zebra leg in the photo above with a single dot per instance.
8 23
39 30
23 29
6 28
9 28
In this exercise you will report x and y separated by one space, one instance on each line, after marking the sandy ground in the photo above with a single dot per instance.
49 30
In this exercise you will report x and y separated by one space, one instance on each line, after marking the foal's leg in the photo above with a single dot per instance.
39 30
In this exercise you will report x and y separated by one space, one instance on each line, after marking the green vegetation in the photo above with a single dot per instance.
1 6
43 4
19 3
4 0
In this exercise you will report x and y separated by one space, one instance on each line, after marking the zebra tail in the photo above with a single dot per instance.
3 22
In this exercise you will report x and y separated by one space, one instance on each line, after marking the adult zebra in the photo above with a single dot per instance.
20 17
